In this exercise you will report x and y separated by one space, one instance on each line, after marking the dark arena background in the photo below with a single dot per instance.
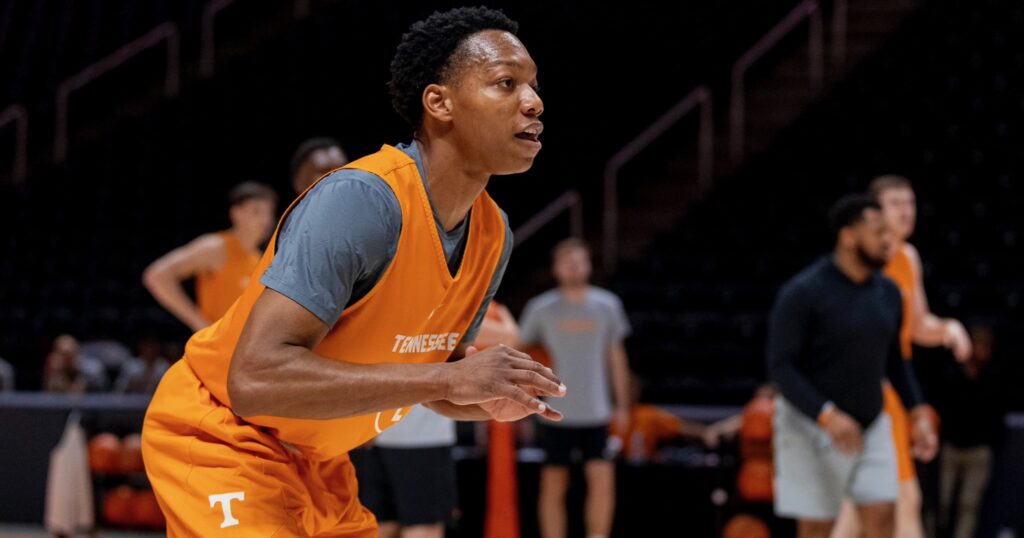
696 147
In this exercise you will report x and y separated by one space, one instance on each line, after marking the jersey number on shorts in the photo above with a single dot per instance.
394 418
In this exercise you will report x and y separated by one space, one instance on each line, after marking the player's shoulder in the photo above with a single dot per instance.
604 297
353 182
912 254
346 191
542 301
806 280
213 243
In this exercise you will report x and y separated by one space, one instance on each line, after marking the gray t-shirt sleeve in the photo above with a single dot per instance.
620 328
529 324
338 239
499 273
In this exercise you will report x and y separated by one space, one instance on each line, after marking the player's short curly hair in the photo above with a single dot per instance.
427 53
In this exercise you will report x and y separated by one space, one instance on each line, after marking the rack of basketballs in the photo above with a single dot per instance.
755 474
125 497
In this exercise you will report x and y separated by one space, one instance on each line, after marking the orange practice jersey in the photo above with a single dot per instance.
652 424
217 290
901 271
416 313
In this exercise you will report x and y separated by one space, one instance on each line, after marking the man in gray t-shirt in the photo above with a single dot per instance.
582 327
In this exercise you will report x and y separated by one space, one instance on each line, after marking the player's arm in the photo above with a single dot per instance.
618 362
787 331
618 365
164 276
929 330
727 428
502 410
901 376
472 412
275 372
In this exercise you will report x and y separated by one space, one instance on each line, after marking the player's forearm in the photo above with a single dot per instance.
902 378
930 331
168 291
458 412
796 388
620 376
292 381
694 430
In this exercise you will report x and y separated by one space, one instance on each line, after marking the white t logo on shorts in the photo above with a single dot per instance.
225 504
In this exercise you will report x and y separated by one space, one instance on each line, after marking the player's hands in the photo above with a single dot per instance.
958 341
713 435
844 432
504 382
925 440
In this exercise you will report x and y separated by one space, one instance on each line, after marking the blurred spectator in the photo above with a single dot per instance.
67 370
971 410
6 376
729 428
142 374
649 426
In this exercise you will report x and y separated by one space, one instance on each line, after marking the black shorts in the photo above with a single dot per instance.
411 486
568 445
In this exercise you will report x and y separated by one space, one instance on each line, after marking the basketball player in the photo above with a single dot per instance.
583 328
221 262
920 326
314 158
377 274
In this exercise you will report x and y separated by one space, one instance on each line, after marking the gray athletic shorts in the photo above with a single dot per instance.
812 477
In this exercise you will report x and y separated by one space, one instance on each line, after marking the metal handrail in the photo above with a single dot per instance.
163 32
698 97
839 18
808 9
569 201
207 45
300 9
19 116
206 50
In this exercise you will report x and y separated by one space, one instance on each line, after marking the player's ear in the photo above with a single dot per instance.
437 103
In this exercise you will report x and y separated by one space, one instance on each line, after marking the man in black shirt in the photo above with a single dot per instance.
833 337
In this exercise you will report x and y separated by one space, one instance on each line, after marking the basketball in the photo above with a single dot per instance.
105 454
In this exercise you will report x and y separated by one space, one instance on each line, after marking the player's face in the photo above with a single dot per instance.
899 207
572 267
255 216
495 108
873 239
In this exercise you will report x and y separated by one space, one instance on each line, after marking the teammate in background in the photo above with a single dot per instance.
583 328
920 326
221 262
